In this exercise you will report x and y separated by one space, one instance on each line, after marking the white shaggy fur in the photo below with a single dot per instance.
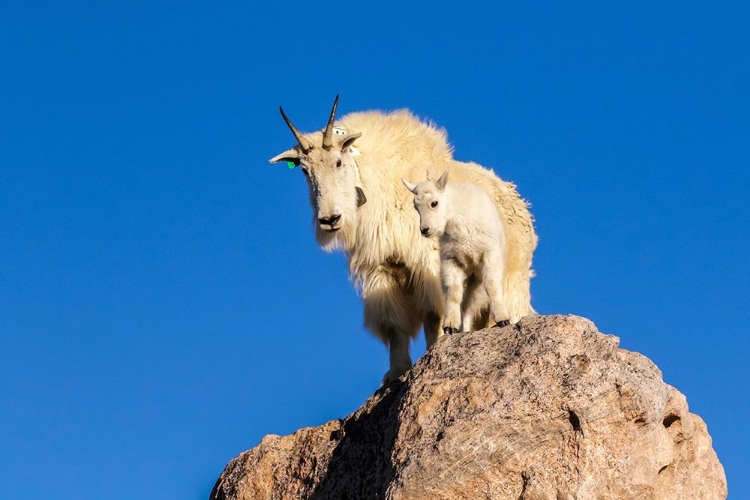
396 269
472 248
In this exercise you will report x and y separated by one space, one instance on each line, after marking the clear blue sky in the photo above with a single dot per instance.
163 304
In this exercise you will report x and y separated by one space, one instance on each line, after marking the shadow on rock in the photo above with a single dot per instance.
361 466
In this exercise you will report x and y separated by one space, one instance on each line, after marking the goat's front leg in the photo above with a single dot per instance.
452 278
390 313
431 325
431 304
400 361
492 276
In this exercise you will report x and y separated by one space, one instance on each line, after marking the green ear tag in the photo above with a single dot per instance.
290 164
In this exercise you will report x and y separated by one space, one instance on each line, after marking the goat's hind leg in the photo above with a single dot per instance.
475 306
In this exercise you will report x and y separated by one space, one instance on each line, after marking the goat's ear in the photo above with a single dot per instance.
411 187
361 198
440 183
349 139
290 155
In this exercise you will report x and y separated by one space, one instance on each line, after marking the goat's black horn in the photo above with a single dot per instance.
297 135
328 134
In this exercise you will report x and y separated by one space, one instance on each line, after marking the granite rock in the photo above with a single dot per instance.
548 408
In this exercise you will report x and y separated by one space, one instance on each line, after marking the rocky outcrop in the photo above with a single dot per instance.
546 409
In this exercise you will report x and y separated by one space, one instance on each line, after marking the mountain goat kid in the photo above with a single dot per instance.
353 170
472 248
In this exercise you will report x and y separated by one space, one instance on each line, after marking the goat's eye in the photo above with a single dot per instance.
338 163
434 204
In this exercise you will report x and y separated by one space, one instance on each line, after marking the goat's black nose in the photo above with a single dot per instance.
329 221
425 230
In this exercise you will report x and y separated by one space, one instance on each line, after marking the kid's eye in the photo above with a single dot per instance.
338 163
434 204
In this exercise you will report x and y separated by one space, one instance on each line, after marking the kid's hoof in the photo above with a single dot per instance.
503 323
449 330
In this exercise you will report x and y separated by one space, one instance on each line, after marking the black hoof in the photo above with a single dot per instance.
503 323
449 330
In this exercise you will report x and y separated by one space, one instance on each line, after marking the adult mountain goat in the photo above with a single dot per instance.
354 169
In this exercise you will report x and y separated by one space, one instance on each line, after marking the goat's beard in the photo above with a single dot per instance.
341 239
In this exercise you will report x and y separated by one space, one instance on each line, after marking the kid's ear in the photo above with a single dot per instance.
411 187
442 181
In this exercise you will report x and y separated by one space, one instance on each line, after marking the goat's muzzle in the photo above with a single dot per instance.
329 223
